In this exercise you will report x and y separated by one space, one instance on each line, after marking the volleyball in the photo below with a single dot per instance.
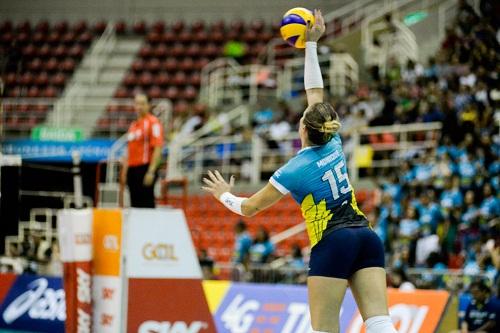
294 25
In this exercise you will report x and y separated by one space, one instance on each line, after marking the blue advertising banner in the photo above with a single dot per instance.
34 303
271 308
56 151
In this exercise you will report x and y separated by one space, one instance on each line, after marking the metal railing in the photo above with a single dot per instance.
281 271
253 161
101 51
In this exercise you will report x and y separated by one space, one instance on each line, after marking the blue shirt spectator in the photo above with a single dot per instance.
242 243
262 248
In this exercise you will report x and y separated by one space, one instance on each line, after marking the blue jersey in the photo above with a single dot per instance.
317 179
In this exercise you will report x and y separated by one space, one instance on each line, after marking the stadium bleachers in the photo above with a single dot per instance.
40 60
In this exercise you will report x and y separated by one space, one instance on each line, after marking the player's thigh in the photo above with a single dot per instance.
325 299
369 288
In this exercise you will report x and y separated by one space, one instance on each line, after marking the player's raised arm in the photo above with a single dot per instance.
313 82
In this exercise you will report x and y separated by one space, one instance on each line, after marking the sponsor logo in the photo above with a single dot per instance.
407 318
152 326
110 242
241 314
40 302
82 239
160 251
83 296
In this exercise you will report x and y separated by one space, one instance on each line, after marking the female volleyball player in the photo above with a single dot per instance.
344 249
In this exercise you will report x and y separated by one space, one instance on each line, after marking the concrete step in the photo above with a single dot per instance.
106 76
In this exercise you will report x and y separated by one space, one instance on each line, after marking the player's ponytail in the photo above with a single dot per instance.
322 123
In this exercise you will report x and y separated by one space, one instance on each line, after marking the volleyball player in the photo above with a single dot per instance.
344 248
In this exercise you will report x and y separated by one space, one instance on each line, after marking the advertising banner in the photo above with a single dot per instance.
32 303
107 283
159 245
165 292
75 239
284 309
91 151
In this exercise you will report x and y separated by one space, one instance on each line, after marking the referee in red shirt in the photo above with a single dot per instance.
145 140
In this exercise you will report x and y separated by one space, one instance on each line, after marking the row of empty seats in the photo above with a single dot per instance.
39 61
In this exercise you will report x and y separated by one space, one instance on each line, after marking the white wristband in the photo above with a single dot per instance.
312 72
232 202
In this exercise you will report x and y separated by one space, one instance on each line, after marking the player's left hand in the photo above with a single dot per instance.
216 184
148 179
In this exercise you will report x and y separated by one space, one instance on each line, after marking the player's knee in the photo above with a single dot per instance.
380 324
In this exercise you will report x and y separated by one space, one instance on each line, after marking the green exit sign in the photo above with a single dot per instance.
43 133
415 17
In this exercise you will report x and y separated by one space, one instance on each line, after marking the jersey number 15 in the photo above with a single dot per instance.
335 183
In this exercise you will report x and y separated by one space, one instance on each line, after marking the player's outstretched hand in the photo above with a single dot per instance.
316 30
216 184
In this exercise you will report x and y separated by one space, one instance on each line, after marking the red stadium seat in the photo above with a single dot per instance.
189 93
154 38
217 26
197 25
99 27
39 38
168 37
172 93
121 27
121 92
201 37
250 37
170 65
200 63
181 107
146 51
257 25
79 27
61 27
76 51
178 26
51 65
179 79
44 51
186 37
29 51
22 38
24 26
14 92
178 50
54 38
6 26
26 79
33 92
211 51
130 80
155 92
60 51
85 38
193 50
138 65
11 79
153 65
146 79
68 65
162 79
216 37
187 65
69 38
158 27
6 38
160 51
42 79
237 25
50 92
139 27
194 79
58 80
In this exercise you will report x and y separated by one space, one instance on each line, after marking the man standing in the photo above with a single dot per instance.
145 140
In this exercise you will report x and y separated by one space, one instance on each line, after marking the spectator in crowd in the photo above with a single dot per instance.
481 313
242 243
145 141
261 251
206 264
